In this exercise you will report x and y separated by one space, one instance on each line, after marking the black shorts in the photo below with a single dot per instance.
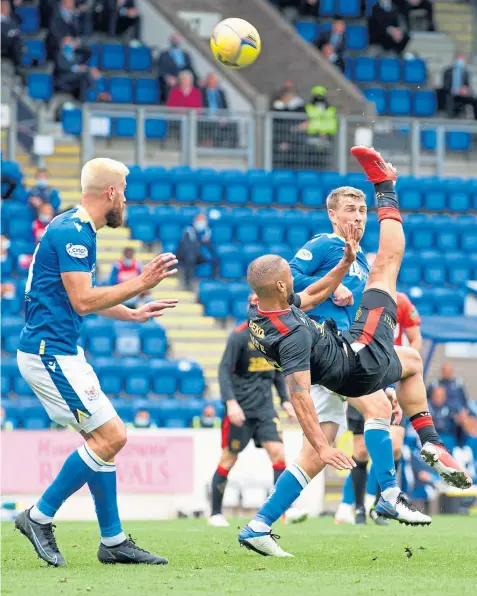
356 421
236 438
376 364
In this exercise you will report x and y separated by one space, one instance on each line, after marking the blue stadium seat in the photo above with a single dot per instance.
429 139
348 8
433 266
155 128
191 378
399 102
273 233
72 121
8 265
164 375
218 306
186 192
222 231
458 140
136 191
447 238
137 376
434 199
250 252
297 235
389 70
231 266
365 69
99 338
113 56
240 290
170 233
459 269
110 373
468 239
410 199
147 91
424 103
312 196
99 86
21 229
21 387
35 53
93 60
30 19
448 302
307 30
211 192
327 8
11 329
236 194
125 127
161 191
210 288
139 59
40 85
261 194
458 201
286 195
136 210
143 228
280 177
410 273
128 342
349 67
379 97
356 37
415 72
247 232
124 408
170 413
121 89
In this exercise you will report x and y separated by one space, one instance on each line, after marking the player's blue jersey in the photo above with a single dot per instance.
52 326
312 262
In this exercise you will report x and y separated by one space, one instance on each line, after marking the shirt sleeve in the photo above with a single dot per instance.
74 249
281 387
294 350
307 261
228 364
411 317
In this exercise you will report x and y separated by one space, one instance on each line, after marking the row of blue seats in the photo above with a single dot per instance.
154 128
341 8
28 413
122 89
392 71
356 35
402 102
132 376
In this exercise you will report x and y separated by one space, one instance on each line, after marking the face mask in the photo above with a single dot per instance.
68 49
175 44
207 421
128 262
200 226
45 218
142 422
42 182
459 62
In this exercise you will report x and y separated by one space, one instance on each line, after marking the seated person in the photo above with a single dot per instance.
122 16
405 7
12 44
216 131
208 418
171 62
195 248
384 29
336 38
185 94
41 193
126 268
213 97
332 57
287 99
456 92
44 217
63 24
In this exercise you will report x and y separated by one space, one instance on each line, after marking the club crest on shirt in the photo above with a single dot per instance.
92 393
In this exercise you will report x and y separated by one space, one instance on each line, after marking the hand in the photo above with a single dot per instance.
158 269
132 12
397 410
152 310
290 410
235 413
351 233
336 458
171 81
464 91
343 296
35 202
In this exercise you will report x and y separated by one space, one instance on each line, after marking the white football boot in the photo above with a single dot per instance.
218 521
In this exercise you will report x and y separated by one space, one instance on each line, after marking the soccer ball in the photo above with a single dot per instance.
235 43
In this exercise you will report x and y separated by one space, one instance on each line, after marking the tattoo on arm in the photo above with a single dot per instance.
297 382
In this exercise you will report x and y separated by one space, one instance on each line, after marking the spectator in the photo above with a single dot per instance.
12 45
45 215
63 24
171 63
405 7
71 73
322 121
208 418
143 419
336 38
288 100
126 268
384 29
456 92
443 415
41 193
4 248
5 423
185 94
332 57
84 17
216 131
213 97
196 248
122 17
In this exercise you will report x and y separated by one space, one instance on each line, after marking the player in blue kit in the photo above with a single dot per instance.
60 290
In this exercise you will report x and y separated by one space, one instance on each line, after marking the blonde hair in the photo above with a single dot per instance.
101 172
333 199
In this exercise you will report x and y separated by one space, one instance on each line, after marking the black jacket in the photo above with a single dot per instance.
221 99
448 75
167 65
64 66
325 37
379 21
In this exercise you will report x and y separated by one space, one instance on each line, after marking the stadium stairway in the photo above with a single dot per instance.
457 20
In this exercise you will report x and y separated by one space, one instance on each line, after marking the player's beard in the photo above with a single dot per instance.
114 217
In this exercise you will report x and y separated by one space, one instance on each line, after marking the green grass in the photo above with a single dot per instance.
329 560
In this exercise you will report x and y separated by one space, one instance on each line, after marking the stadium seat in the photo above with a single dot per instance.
125 127
219 306
447 238
35 53
433 268
459 269
191 378
147 91
30 19
121 89
155 128
236 194
128 342
211 192
422 236
124 408
356 37
389 70
429 139
40 86
261 194
161 191
139 59
72 121
348 8
448 302
186 192
20 229
365 70
328 8
113 56
458 140
410 272
250 252
424 103
458 201
247 232
286 195
273 233
143 228
434 199
468 239
307 30
379 97
137 376
312 196
164 375
110 373
297 235
415 72
410 199
21 387
399 102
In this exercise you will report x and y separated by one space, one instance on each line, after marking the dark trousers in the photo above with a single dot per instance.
191 260
456 103
12 49
388 43
405 9
76 83
120 24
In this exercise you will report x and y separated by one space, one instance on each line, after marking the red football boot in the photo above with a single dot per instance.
374 166
445 465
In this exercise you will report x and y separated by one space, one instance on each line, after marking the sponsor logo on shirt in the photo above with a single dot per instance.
77 250
304 254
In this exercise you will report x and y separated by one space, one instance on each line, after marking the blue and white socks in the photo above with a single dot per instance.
377 437
103 489
287 489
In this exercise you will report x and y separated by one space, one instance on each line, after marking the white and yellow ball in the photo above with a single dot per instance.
235 43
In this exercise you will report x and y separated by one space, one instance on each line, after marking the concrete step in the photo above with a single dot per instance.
197 337
211 348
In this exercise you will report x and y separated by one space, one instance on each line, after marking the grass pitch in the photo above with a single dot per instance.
329 560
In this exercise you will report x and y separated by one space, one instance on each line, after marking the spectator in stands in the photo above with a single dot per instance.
126 268
63 24
195 248
405 7
213 97
71 73
171 62
332 57
9 184
335 42
4 248
456 92
309 7
122 17
143 419
44 216
443 414
42 193
384 29
5 423
208 418
12 44
287 99
216 131
185 94
84 17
